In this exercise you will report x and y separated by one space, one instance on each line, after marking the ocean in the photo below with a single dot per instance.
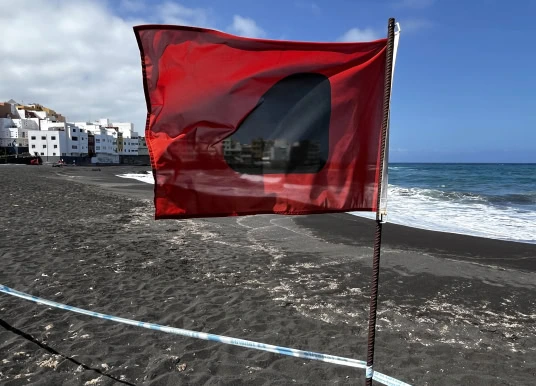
496 201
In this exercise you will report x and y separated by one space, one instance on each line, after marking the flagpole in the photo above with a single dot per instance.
379 215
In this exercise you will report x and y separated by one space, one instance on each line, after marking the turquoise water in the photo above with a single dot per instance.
489 200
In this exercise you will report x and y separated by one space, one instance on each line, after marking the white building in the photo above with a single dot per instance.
280 151
121 135
142 147
105 141
8 132
36 111
40 130
62 139
18 120
13 131
105 138
131 139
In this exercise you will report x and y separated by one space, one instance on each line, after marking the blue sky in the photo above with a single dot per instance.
464 88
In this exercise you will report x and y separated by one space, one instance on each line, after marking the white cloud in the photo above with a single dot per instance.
244 26
173 13
359 35
78 57
416 4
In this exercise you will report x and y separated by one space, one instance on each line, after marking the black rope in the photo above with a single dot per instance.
46 347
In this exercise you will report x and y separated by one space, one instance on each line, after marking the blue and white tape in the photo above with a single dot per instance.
379 377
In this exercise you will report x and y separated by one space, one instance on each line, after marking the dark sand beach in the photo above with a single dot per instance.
453 310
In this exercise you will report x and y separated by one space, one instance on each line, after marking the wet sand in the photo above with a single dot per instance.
452 309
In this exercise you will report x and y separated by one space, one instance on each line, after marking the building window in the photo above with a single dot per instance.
44 146
55 146
33 136
63 153
53 138
97 148
53 153
43 137
75 147
42 153
75 138
97 140
33 146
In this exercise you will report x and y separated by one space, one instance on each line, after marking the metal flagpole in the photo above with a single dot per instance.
379 214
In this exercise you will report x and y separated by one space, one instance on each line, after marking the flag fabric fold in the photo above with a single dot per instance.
240 126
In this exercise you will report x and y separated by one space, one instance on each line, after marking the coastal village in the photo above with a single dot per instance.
36 130
33 130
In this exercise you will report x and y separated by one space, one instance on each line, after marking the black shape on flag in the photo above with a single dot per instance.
288 131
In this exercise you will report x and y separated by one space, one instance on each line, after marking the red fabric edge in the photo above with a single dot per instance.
228 35
237 214
149 109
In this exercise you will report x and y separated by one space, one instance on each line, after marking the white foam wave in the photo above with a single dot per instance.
428 209
419 208
147 178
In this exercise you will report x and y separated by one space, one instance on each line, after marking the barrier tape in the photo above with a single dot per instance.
379 377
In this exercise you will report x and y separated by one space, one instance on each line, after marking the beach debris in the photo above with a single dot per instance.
94 381
105 366
181 367
50 362
48 327
254 368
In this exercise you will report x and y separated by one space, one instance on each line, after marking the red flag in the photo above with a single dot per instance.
240 126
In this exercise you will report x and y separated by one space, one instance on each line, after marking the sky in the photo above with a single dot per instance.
464 84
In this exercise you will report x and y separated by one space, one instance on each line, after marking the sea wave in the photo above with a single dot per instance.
508 217
462 213
437 194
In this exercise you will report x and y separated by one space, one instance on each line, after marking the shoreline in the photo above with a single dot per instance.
452 309
113 172
529 242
